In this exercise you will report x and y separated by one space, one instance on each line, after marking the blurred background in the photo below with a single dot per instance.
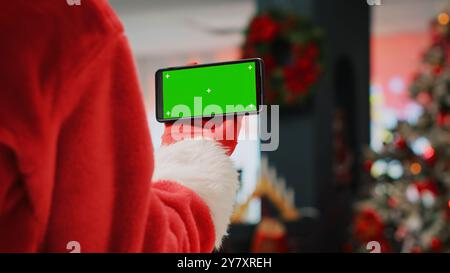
363 88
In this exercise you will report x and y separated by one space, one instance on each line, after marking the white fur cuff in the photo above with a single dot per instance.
202 166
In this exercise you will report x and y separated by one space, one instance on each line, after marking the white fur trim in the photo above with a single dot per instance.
202 166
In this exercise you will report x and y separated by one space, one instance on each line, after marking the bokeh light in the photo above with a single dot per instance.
379 168
428 199
443 18
429 153
415 168
412 194
420 146
395 169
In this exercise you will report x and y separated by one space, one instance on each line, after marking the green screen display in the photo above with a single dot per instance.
219 85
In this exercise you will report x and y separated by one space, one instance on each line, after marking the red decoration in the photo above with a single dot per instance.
270 237
400 143
443 119
436 244
437 70
368 165
416 249
385 246
425 186
429 156
392 202
368 226
262 29
292 66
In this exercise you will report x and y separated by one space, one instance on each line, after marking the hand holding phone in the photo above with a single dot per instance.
224 131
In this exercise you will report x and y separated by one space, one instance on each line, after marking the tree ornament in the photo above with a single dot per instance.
443 119
436 244
368 226
400 143
416 249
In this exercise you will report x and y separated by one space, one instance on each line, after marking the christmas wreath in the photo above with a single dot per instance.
290 48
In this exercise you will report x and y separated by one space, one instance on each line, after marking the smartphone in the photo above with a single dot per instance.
209 90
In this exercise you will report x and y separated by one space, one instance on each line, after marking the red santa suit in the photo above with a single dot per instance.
76 160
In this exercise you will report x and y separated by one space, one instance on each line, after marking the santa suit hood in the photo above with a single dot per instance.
76 160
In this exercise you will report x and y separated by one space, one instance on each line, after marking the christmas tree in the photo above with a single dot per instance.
408 206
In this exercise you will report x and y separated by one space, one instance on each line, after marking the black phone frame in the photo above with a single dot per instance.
259 64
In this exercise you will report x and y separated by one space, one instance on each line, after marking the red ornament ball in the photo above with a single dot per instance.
436 244
400 143
429 155
443 119
368 226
